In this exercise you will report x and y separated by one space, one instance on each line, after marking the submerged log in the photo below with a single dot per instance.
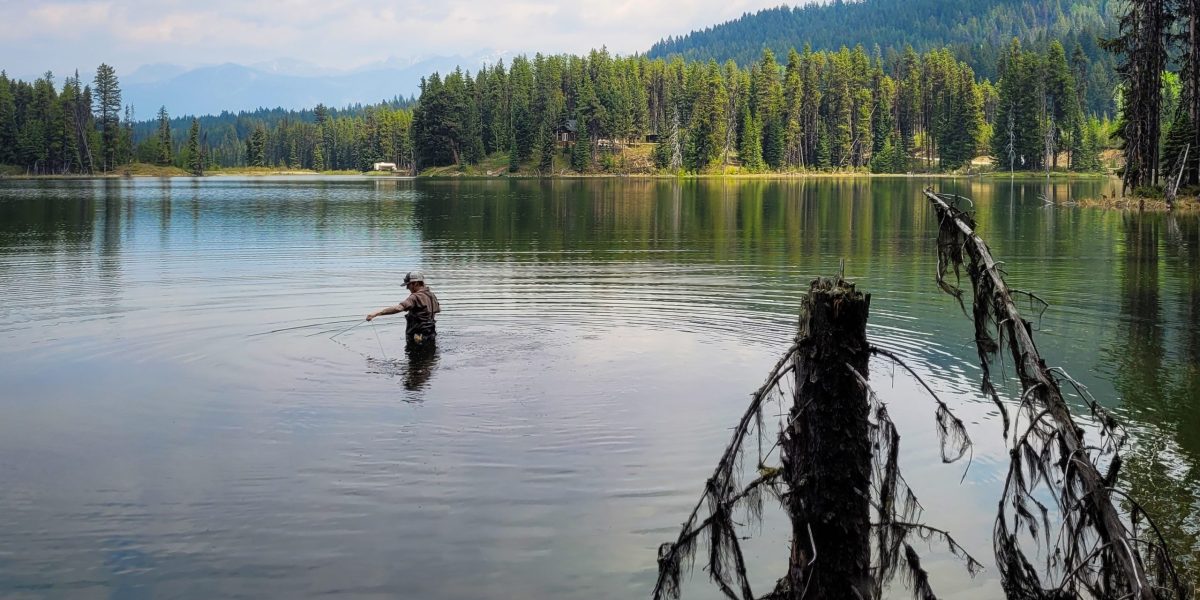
826 451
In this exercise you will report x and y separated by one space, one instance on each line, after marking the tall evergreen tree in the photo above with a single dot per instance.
1141 46
706 136
581 152
8 122
107 96
1018 136
195 150
164 137
751 150
546 148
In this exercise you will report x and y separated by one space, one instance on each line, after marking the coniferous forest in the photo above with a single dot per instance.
1028 105
843 110
976 32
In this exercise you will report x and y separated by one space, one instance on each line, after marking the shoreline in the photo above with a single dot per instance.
1025 176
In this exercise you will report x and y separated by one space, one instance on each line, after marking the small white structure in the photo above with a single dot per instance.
385 166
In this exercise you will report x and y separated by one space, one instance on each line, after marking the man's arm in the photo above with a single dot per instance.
389 310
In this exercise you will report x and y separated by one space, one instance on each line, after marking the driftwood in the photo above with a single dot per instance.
836 443
1101 551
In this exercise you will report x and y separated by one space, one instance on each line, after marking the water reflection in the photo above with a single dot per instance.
422 360
1157 374
604 336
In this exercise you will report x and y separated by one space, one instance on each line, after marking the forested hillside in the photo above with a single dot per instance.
977 32
843 110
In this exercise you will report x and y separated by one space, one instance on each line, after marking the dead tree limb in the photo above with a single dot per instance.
837 467
1121 565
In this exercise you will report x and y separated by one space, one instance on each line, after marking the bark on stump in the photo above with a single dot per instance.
827 451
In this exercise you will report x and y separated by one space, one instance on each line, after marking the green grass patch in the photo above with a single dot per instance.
149 170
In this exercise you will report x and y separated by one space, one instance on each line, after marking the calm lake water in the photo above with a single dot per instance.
175 420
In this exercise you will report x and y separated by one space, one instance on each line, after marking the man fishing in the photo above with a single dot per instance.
421 306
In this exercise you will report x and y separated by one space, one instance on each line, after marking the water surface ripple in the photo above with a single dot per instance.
175 420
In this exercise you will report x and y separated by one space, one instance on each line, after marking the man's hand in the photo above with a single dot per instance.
371 316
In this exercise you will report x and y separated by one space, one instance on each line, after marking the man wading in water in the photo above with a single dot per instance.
421 305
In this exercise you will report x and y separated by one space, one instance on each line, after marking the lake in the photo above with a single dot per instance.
178 418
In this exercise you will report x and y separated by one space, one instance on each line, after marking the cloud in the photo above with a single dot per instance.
66 34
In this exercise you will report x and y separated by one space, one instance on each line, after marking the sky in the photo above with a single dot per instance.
64 35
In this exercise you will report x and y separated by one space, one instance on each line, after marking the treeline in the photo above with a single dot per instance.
321 138
347 140
819 110
75 129
976 32
83 127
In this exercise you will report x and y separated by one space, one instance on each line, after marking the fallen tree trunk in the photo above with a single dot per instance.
1097 553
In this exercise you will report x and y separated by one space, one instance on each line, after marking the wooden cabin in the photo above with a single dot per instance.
566 133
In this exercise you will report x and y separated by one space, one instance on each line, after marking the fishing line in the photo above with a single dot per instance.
376 330
295 327
356 324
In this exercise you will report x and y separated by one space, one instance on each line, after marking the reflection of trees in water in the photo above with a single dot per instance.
1158 387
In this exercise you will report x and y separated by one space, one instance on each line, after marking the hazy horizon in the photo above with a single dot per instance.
328 37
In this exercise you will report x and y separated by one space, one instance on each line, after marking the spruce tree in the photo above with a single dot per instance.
8 122
581 152
195 152
108 114
164 137
546 149
318 156
706 136
751 150
1141 45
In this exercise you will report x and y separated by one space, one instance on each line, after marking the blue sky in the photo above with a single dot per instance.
62 35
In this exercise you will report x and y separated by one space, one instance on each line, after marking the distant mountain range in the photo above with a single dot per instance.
281 83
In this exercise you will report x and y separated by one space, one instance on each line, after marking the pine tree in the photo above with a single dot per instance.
581 152
108 114
195 152
256 147
164 137
824 155
8 122
1018 138
1141 44
751 150
318 155
706 135
888 159
546 148
125 138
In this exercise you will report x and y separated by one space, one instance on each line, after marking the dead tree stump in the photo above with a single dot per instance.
826 449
